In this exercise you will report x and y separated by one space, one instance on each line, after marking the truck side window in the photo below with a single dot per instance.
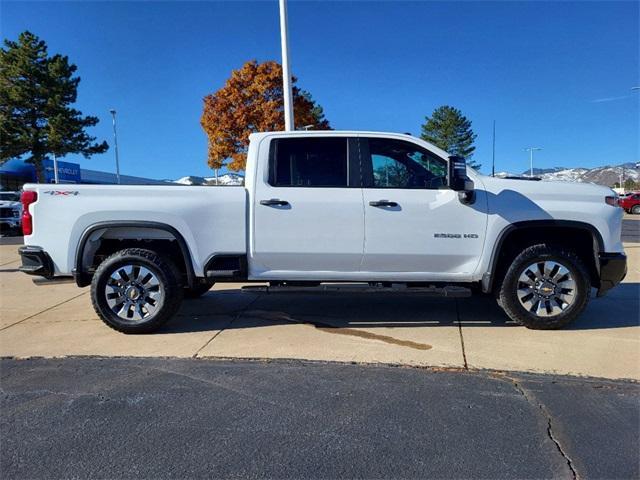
400 164
308 162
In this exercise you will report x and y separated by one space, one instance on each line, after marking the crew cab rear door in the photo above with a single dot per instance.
416 228
307 209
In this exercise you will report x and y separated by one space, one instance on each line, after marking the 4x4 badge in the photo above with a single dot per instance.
65 193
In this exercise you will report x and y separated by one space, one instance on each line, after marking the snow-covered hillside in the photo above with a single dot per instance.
225 179
607 175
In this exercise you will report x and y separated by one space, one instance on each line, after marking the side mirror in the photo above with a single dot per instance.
458 180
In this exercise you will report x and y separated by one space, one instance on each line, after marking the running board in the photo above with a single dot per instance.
52 281
451 291
223 273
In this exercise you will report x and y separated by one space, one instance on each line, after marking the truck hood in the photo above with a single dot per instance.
523 200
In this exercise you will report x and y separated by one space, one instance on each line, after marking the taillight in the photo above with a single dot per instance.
27 199
613 201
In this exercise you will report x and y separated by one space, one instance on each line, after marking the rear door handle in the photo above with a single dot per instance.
383 203
274 202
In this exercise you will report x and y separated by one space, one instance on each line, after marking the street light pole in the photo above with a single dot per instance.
115 144
55 169
531 150
286 74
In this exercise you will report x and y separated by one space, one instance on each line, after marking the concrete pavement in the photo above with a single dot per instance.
473 333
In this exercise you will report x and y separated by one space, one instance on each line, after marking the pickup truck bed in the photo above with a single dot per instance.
210 219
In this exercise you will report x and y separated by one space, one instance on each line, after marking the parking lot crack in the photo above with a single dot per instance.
549 430
464 353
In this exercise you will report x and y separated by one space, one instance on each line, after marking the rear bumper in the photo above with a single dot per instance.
35 261
613 269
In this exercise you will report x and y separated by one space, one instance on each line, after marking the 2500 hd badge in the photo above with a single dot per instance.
455 235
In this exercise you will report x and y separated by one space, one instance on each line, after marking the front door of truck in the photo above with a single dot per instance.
415 226
307 209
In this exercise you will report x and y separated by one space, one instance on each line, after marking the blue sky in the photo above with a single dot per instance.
552 74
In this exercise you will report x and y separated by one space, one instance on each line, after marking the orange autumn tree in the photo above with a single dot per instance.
252 101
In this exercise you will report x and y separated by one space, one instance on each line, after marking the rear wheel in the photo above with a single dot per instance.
635 209
136 290
545 288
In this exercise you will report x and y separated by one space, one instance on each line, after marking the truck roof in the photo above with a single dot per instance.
348 133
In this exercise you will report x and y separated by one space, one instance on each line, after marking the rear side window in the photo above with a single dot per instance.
308 162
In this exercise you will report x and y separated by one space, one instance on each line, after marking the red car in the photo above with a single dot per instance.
631 203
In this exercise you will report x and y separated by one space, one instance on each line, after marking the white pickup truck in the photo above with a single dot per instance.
331 210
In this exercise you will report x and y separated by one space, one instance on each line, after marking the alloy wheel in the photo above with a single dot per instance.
134 293
546 288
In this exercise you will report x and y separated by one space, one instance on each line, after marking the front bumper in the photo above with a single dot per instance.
35 261
613 269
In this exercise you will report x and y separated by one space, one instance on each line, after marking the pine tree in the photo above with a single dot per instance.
36 94
450 130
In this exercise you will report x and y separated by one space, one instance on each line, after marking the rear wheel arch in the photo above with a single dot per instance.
92 238
582 237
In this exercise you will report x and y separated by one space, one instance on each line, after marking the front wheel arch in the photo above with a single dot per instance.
581 237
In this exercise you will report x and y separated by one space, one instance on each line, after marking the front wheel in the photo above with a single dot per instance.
136 290
545 288
636 210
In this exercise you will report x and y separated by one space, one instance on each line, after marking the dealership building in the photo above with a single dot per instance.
15 173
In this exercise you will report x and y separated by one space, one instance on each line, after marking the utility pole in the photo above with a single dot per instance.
493 157
289 124
531 150
115 144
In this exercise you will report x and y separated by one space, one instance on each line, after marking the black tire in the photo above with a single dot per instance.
509 300
169 291
635 209
198 290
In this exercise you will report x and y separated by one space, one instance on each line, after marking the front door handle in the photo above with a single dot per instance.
383 203
274 202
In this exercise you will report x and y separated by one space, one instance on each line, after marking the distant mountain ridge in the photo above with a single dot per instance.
607 175
224 179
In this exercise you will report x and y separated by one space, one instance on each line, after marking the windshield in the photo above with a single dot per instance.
9 196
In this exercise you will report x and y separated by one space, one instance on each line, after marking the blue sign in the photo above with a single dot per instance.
67 172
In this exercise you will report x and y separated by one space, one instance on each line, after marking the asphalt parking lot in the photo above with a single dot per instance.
190 418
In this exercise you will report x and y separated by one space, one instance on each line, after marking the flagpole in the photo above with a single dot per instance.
286 74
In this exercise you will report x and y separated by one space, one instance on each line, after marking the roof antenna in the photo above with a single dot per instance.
493 158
